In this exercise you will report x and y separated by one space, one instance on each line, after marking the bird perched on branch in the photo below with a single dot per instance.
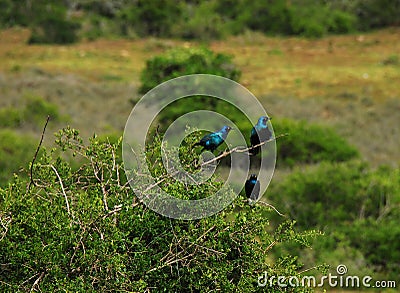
252 188
213 140
259 133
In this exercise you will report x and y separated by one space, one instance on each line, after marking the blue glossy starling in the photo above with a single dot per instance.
259 134
213 140
252 188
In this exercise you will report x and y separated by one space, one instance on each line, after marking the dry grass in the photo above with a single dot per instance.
338 80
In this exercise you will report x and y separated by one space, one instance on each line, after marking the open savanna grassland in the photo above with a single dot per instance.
349 82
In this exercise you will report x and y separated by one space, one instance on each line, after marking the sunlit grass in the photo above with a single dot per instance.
292 66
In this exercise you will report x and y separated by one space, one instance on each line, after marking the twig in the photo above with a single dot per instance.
210 249
62 188
116 209
36 153
309 269
37 281
271 245
239 149
271 206
5 224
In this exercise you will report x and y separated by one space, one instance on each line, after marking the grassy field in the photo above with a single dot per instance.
349 82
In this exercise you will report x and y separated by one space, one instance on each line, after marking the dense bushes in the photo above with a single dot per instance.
183 61
47 19
15 153
310 143
307 18
32 110
154 18
54 29
377 13
79 231
355 206
203 20
17 150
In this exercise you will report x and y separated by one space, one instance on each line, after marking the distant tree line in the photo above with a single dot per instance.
68 20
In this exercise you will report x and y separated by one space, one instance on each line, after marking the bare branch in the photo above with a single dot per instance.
62 187
116 209
272 207
36 154
5 221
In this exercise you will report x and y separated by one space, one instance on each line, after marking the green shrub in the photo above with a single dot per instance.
150 18
183 61
37 109
377 241
315 20
377 13
6 11
52 27
273 18
15 153
202 23
10 117
32 111
355 206
310 143
84 230
306 18
326 194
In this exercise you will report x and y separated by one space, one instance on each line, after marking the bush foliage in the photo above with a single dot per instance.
184 61
15 153
310 143
355 206
59 22
84 230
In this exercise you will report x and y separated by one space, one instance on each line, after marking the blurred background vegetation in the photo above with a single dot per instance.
65 21
326 71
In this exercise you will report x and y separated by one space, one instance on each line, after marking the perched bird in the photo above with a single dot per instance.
213 140
252 188
259 133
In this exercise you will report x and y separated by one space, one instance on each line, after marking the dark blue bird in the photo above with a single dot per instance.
259 134
213 140
252 188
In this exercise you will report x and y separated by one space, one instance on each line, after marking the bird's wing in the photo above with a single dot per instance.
248 187
254 139
206 138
